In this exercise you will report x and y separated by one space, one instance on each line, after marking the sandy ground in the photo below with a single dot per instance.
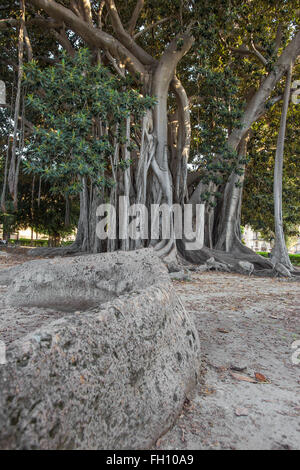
246 326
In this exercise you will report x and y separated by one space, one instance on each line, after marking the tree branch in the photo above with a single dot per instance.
135 15
258 54
151 26
99 14
28 44
243 50
278 38
63 40
256 105
87 11
125 38
177 48
93 36
38 21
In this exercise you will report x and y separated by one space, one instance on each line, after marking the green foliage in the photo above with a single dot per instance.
295 258
258 205
224 80
27 242
221 111
71 100
45 216
67 101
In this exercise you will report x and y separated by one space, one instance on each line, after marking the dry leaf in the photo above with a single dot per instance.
221 330
158 443
242 412
261 378
245 378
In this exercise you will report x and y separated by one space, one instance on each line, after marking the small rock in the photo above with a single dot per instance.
174 268
180 276
203 267
241 412
238 367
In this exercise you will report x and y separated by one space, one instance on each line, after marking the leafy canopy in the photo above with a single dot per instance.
73 101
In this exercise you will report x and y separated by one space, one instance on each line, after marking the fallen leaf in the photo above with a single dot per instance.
245 378
261 378
221 330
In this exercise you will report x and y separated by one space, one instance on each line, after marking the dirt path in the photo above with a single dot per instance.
243 323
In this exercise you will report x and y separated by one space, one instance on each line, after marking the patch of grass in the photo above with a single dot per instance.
295 258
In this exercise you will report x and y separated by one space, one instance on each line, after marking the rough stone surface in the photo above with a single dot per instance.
246 267
262 320
109 372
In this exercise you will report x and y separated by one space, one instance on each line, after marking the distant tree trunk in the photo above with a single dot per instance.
14 168
230 216
280 253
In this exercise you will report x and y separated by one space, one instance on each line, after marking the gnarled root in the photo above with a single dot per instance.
241 259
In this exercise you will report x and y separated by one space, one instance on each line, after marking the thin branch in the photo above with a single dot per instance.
151 26
28 44
8 23
74 8
99 14
115 65
243 50
87 11
63 40
12 168
278 38
135 16
124 37
258 54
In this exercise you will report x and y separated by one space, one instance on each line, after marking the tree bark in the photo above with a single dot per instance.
280 252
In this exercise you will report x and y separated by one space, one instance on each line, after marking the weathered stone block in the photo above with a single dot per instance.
113 371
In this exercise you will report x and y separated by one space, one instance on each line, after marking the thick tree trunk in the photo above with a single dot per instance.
227 228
